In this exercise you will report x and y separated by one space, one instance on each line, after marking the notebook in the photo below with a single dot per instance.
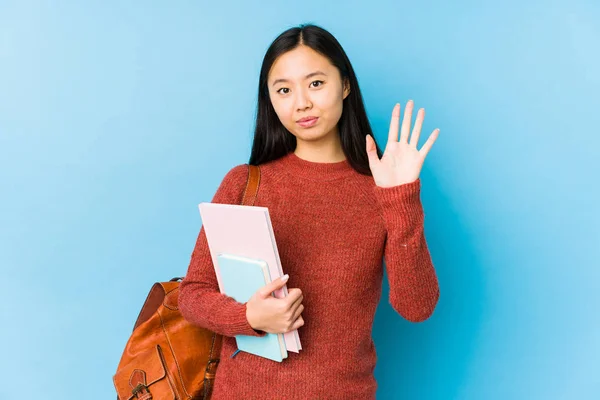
241 278
245 231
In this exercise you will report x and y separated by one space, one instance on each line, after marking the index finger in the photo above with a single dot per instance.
406 121
293 296
394 124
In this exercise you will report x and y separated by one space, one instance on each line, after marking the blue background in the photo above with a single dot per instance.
118 118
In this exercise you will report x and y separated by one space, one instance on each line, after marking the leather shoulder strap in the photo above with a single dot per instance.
252 185
248 199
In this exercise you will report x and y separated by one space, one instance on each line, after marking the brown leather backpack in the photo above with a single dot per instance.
167 357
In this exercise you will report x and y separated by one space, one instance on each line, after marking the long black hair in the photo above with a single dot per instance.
272 140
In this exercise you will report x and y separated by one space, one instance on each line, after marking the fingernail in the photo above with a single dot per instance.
285 277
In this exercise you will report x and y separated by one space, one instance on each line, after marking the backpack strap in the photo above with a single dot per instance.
251 185
249 197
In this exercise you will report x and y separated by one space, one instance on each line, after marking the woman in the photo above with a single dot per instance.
337 209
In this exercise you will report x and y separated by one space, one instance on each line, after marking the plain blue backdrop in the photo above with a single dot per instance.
118 118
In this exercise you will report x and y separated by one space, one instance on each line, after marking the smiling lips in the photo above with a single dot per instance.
307 121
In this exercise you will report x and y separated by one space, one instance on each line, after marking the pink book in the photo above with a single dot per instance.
245 231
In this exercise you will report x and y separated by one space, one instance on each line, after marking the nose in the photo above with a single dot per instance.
302 100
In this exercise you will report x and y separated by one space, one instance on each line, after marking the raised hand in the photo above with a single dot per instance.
401 161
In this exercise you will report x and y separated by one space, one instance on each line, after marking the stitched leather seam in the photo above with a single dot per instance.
167 375
162 325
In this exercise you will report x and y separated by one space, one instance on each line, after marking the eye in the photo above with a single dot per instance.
284 88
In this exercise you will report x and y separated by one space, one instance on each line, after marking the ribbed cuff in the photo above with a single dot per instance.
241 325
400 203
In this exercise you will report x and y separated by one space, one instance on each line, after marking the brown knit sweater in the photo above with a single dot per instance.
333 228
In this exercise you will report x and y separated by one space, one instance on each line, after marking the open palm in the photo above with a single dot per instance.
401 161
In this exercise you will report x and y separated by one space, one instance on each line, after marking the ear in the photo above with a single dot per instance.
346 87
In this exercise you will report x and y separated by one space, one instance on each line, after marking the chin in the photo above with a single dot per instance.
312 134
309 136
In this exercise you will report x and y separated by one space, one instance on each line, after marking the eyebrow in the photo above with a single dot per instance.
306 77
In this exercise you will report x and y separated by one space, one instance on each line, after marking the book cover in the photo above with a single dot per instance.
246 231
241 278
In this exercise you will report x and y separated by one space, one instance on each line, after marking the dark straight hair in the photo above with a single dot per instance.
272 140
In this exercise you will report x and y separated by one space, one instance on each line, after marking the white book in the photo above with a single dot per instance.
245 231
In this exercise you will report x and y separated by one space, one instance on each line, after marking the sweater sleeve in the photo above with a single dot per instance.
414 289
200 301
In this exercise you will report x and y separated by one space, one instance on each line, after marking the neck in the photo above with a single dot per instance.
321 155
315 170
327 149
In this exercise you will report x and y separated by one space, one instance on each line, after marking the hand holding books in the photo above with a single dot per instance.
243 249
270 314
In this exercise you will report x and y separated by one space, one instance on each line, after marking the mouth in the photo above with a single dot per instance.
308 122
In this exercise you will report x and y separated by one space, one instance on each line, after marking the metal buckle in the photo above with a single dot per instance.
212 361
139 388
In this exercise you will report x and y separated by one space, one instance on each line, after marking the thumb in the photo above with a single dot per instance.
278 283
371 151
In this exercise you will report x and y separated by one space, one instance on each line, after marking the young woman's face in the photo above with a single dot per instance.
302 83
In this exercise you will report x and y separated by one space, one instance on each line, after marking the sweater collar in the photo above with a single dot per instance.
315 170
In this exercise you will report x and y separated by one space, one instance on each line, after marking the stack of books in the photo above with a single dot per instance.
245 257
